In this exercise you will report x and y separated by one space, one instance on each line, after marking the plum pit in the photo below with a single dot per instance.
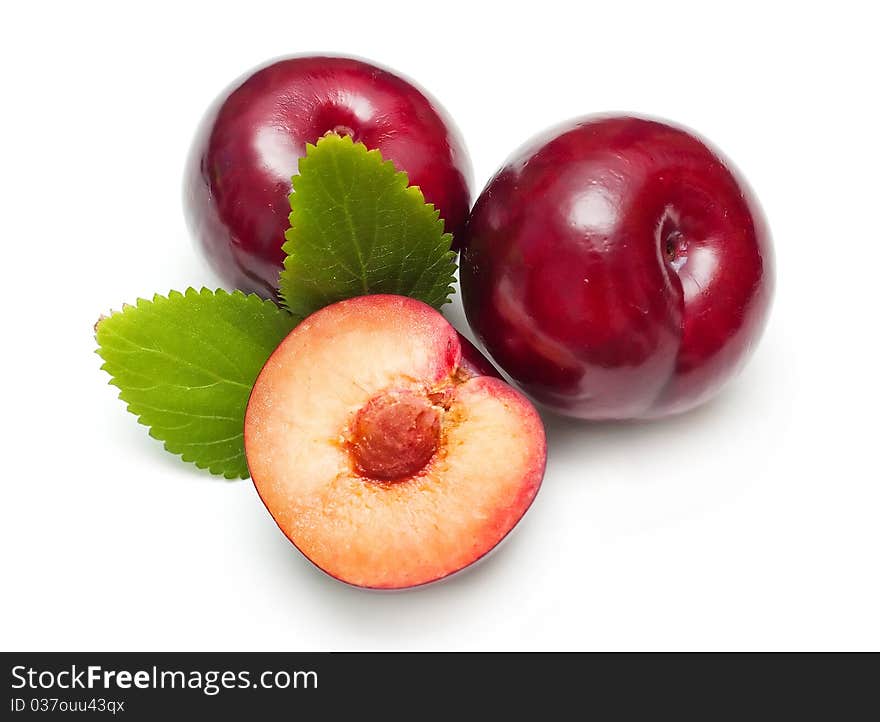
394 435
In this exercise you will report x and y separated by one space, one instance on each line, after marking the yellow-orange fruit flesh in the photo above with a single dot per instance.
465 461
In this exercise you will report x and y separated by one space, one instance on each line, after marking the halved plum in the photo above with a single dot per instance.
384 460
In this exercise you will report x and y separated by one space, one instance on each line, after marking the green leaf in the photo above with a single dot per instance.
357 227
186 364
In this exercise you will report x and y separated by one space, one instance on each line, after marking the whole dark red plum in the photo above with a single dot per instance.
238 175
618 267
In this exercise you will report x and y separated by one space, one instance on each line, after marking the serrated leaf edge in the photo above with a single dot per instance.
288 248
131 407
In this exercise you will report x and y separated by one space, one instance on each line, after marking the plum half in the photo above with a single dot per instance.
387 460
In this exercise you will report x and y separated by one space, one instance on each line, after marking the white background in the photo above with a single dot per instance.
751 523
